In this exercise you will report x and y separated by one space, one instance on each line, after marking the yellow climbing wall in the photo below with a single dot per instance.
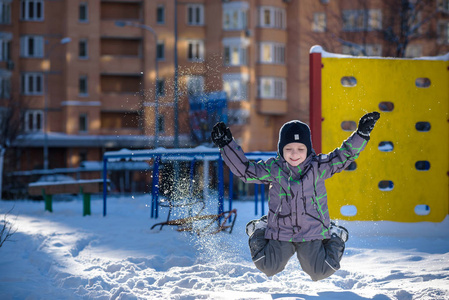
403 173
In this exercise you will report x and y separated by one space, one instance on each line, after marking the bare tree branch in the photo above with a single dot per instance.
12 115
403 22
6 229
11 118
361 48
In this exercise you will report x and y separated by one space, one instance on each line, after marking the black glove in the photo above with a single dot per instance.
221 135
366 124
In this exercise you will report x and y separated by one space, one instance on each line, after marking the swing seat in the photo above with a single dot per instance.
184 197
203 224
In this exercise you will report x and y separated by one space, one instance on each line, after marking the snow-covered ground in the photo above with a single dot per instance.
63 255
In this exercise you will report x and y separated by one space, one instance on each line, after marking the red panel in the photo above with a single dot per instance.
315 99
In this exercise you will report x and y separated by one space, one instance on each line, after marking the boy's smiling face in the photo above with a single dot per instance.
295 153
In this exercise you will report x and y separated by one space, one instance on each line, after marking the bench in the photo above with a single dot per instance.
84 187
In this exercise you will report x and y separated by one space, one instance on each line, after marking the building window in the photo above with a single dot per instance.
374 19
353 20
83 12
160 87
413 51
373 50
34 120
195 50
5 88
272 17
5 49
195 85
160 50
235 55
160 14
235 86
195 14
83 125
362 20
365 50
272 53
319 22
443 5
32 46
32 10
443 32
5 12
82 51
235 16
160 123
235 51
31 83
82 86
272 88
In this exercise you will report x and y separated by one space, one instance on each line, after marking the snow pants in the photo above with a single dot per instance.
318 258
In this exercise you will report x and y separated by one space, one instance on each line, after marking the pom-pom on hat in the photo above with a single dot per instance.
294 132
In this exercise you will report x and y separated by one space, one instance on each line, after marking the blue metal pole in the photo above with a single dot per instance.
231 187
220 186
105 182
262 198
155 188
256 196
175 86
192 174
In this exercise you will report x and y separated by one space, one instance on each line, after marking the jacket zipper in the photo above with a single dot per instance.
278 211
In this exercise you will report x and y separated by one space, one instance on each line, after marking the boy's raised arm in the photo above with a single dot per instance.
235 158
341 158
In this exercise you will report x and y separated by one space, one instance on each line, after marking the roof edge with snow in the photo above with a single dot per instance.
319 49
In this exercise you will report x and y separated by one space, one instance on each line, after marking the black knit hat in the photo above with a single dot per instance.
294 132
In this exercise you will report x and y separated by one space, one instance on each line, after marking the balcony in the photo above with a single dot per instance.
108 28
127 132
121 123
121 64
120 101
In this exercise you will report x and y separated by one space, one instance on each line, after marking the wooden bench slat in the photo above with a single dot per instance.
69 187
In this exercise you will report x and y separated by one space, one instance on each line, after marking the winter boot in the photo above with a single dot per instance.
253 225
339 231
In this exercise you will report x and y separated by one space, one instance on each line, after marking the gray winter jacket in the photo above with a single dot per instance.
297 195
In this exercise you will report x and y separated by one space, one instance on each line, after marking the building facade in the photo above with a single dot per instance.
100 75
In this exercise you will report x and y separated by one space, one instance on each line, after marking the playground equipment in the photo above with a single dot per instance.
189 200
161 154
83 187
403 173
203 224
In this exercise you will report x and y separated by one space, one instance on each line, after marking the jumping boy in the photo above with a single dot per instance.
298 218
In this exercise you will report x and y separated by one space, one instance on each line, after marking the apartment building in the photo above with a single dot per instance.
99 75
